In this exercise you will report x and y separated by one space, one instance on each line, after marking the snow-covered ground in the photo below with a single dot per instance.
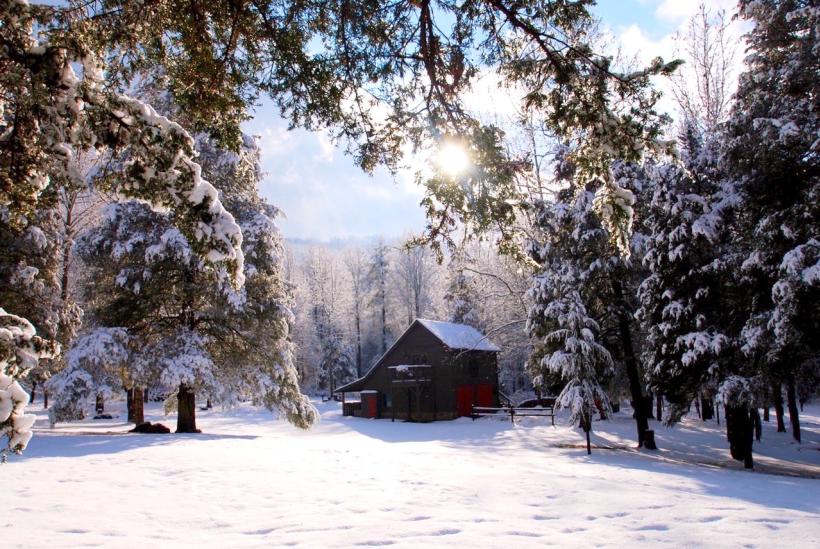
252 481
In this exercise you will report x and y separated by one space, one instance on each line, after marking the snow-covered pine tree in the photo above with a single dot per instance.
571 235
31 265
685 301
692 305
568 347
772 157
20 350
97 365
195 331
49 113
565 336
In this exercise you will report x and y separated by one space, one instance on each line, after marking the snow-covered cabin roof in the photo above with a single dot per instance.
458 336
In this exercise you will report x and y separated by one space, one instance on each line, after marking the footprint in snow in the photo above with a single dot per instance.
445 532
710 519
654 527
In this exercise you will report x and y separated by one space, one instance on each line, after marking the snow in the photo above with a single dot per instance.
459 336
407 368
252 481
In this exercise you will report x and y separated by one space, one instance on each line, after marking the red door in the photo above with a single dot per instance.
484 394
464 400
370 404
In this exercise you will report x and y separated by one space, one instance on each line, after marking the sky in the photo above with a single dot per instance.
325 197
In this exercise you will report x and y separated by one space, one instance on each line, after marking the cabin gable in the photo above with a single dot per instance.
422 379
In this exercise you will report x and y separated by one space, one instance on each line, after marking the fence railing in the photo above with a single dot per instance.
513 411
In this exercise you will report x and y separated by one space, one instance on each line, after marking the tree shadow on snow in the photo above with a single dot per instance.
771 491
47 445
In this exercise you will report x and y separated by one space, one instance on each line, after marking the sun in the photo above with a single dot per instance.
452 159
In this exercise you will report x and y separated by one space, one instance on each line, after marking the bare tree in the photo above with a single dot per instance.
703 86
356 264
377 283
415 273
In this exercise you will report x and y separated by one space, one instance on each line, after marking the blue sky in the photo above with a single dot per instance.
325 196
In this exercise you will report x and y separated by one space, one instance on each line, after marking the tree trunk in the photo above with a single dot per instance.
777 400
707 408
794 414
697 408
129 403
186 410
384 318
100 404
758 425
648 401
658 406
33 392
766 414
631 363
138 407
585 423
359 372
45 399
740 433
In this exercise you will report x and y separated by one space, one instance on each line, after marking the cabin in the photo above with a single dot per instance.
434 371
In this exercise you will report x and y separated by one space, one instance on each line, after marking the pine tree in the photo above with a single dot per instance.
50 114
568 347
96 365
571 237
771 156
192 329
686 299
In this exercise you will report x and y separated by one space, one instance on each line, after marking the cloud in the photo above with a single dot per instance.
326 147
681 10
